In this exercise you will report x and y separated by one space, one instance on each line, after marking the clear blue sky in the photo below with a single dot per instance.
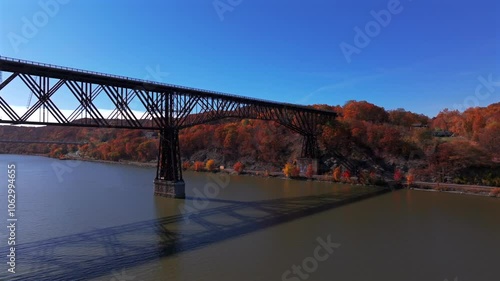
428 57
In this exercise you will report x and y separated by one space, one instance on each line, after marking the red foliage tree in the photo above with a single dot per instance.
346 176
198 166
238 167
366 111
398 175
186 165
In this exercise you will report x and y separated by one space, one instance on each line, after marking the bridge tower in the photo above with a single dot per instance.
168 181
309 154
309 146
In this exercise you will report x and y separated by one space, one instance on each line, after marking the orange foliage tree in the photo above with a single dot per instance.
210 165
291 170
410 179
337 174
198 166
186 165
363 110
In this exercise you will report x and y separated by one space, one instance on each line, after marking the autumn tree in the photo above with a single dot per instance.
363 110
56 152
398 175
405 118
346 176
291 170
186 165
337 174
489 138
336 136
449 159
147 150
238 167
198 166
410 179
449 120
210 165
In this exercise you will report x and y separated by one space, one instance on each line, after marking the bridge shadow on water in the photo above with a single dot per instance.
101 252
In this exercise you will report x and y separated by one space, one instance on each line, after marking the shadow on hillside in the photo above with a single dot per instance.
101 252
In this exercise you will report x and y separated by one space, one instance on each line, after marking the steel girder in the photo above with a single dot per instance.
138 104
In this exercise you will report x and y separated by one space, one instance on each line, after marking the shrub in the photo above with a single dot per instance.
346 176
238 167
337 172
495 192
186 165
210 165
398 175
410 178
291 170
198 166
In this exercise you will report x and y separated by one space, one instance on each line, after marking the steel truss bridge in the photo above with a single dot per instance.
140 104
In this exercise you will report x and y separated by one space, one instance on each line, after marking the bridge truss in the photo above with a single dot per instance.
103 100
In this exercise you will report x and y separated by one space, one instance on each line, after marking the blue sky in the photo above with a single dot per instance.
427 57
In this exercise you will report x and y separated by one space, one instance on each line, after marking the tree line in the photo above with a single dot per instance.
365 138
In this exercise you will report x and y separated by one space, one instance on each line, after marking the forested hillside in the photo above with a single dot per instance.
364 138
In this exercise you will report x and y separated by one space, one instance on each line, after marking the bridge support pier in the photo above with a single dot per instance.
309 147
168 181
170 189
309 153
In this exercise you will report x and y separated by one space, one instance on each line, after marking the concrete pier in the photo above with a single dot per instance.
170 189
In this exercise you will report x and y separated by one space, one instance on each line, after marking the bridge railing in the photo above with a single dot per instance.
153 82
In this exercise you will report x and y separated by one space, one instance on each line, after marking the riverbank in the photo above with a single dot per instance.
477 190
121 162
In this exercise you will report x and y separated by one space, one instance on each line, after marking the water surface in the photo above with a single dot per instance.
94 221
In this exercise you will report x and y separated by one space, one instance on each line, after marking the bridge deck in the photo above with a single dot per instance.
47 70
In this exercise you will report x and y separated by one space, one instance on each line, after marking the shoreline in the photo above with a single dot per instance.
476 190
122 162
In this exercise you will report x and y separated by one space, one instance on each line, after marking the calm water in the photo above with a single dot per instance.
93 221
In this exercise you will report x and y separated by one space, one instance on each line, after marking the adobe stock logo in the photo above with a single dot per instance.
484 89
64 168
223 6
31 26
362 38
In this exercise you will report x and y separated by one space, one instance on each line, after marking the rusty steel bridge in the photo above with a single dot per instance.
141 104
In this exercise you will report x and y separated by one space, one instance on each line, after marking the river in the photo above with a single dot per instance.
95 221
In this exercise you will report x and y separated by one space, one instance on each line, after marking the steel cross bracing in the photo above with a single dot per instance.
140 104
